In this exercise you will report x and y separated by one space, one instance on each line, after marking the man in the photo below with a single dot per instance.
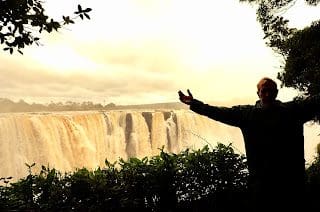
274 143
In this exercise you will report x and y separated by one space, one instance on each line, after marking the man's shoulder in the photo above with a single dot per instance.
244 107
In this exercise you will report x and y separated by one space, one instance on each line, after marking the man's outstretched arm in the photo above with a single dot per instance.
231 116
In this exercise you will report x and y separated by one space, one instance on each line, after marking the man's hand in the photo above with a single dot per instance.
185 99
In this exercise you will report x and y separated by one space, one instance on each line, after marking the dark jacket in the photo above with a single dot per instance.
273 137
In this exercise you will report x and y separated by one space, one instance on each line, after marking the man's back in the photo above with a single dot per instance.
274 141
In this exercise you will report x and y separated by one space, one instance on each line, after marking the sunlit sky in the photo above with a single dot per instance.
144 51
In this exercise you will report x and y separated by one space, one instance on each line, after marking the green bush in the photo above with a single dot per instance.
197 180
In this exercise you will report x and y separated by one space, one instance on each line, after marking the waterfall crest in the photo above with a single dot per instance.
70 140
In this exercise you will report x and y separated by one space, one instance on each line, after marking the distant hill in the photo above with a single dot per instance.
168 105
8 106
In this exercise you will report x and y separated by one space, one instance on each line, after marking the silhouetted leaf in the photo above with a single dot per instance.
87 16
87 10
79 8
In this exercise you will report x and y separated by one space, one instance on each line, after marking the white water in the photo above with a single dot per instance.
70 140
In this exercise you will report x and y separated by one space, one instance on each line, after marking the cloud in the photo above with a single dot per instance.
32 81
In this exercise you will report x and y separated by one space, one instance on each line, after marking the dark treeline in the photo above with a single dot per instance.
7 106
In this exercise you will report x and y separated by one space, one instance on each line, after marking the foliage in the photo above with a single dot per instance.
22 20
300 48
274 25
201 180
302 68
198 180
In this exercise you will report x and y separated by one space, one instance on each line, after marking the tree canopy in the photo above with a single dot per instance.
299 48
302 67
21 22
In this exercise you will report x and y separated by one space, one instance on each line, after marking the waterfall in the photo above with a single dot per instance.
70 140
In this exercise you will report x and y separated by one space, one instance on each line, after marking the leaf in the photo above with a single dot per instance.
30 2
36 9
87 10
79 8
87 16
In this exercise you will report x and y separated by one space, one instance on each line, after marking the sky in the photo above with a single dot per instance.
144 51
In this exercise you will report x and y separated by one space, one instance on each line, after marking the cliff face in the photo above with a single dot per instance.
69 140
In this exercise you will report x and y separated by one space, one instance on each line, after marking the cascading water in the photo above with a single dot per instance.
70 140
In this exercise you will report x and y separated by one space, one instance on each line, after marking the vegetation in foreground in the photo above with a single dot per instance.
198 180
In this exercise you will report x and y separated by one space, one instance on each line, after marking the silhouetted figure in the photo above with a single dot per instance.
274 143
